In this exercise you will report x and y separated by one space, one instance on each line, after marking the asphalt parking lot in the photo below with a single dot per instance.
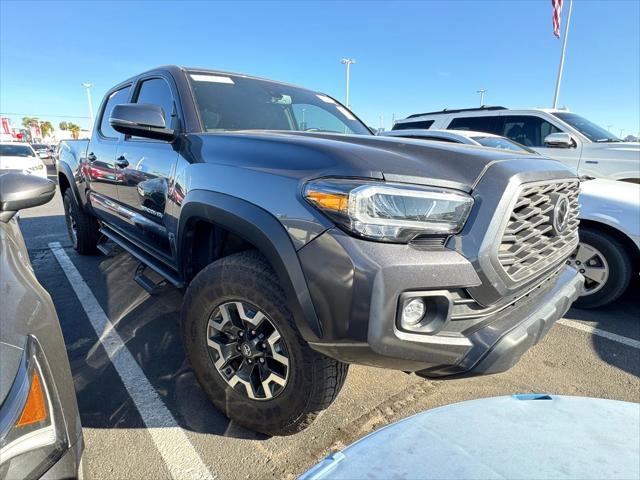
144 415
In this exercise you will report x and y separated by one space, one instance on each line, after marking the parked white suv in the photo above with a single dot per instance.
575 141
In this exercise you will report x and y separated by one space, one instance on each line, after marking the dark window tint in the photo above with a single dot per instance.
411 125
157 92
527 130
116 98
477 124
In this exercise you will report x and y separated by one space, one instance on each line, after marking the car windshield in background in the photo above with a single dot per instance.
589 129
228 103
38 146
15 151
502 143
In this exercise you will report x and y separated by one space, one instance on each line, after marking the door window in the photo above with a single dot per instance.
419 124
487 124
116 98
156 91
527 130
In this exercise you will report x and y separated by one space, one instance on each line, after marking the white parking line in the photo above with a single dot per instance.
178 453
601 333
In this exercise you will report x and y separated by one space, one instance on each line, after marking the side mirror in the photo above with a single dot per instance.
141 120
19 191
559 140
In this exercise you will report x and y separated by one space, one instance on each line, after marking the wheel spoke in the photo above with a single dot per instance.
597 274
584 253
226 352
273 339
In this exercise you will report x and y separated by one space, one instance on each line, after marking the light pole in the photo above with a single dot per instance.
564 49
621 130
609 127
481 92
348 62
88 87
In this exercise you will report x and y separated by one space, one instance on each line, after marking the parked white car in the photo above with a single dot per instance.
18 156
565 136
466 137
608 254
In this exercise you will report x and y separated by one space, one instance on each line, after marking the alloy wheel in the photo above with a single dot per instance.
248 350
591 263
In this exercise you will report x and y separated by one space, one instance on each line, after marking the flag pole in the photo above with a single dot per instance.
564 48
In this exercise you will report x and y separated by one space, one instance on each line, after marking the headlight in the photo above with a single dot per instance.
32 432
39 166
390 212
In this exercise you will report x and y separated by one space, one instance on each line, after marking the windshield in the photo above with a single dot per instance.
228 103
589 129
16 151
39 146
502 143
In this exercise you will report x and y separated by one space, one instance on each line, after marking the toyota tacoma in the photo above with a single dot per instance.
304 243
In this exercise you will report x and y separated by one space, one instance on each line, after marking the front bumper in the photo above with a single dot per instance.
356 285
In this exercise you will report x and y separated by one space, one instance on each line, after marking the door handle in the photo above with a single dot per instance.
92 157
122 162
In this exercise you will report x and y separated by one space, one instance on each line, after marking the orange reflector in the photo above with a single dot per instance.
330 201
34 410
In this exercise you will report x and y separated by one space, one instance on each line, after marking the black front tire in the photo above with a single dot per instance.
619 265
82 227
314 380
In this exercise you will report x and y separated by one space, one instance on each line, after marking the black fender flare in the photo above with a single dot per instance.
267 234
65 169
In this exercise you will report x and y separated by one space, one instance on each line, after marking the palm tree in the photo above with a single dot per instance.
28 122
46 128
63 126
74 129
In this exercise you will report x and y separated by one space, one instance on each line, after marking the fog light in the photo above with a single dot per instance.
413 312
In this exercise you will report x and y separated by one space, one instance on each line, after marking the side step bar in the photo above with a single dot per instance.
145 282
144 258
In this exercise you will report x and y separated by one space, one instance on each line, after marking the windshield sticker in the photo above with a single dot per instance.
212 79
345 112
325 99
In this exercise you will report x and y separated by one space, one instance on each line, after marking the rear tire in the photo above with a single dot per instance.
82 227
312 379
605 253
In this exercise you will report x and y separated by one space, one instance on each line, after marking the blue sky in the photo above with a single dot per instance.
411 56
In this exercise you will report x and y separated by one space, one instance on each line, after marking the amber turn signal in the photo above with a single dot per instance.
35 409
331 201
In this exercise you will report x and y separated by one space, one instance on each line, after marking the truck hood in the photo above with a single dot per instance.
308 155
616 150
18 163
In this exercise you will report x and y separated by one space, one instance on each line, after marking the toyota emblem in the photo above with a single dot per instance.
560 219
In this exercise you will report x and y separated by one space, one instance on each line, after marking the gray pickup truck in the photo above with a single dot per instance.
305 243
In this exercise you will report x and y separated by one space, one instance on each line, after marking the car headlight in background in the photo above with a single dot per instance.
38 166
390 212
33 436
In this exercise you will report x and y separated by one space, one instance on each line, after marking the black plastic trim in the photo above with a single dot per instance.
267 234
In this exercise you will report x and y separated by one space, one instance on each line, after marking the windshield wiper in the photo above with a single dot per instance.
608 140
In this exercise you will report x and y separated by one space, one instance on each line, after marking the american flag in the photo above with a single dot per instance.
557 10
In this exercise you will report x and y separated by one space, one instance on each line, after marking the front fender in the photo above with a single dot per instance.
263 230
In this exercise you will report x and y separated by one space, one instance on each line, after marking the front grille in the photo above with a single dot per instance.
530 244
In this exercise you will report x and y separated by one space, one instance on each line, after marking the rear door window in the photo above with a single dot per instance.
488 124
421 124
528 130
